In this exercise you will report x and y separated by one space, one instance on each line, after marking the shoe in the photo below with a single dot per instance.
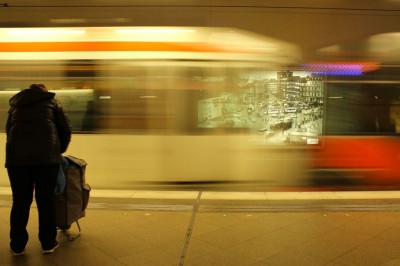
17 253
49 251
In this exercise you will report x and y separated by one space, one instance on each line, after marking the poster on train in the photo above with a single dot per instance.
280 108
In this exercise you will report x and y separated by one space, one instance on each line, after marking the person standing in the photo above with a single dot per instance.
38 132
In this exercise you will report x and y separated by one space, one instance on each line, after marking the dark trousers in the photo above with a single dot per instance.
24 181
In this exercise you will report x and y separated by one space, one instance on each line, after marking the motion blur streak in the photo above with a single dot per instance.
222 108
155 105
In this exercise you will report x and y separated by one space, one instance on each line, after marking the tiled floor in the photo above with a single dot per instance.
192 228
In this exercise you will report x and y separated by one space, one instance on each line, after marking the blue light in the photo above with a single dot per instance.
335 69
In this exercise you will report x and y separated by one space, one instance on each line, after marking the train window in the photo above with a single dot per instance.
182 97
362 109
75 94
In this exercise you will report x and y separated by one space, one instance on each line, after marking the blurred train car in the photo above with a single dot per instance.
154 105
362 115
178 107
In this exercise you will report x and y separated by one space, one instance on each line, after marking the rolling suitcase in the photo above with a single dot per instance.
71 204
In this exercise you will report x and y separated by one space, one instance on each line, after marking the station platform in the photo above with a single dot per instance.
222 228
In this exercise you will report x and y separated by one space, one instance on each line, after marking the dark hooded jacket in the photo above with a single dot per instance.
38 130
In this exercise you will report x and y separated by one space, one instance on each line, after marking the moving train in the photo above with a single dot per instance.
179 107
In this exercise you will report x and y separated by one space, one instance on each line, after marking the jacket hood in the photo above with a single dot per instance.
29 97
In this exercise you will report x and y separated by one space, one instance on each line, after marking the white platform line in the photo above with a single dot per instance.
211 195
